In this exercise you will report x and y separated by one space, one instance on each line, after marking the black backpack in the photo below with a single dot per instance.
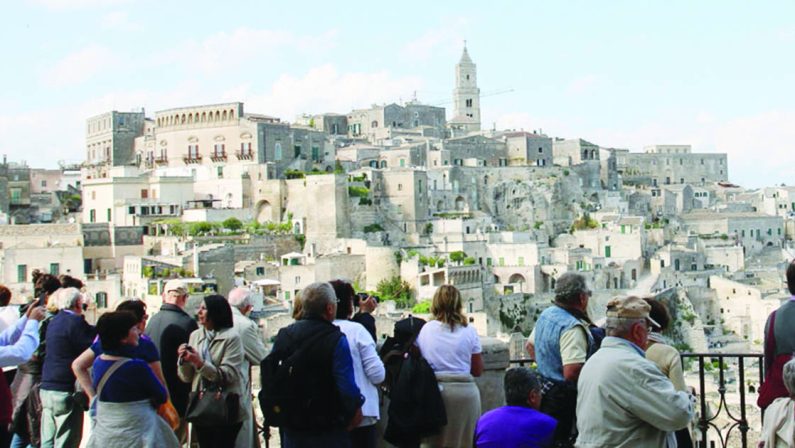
416 409
295 394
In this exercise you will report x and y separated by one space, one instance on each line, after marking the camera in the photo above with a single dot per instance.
359 297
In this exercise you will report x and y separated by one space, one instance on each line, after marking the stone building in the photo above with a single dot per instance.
525 148
110 141
466 97
374 123
672 164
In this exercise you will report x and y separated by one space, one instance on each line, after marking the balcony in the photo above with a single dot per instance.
192 158
218 156
244 155
162 160
726 405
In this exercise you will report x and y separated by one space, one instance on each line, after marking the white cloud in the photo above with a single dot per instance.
80 66
325 89
447 38
118 21
225 51
58 5
582 84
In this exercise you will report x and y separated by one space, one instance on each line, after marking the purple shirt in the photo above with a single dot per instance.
514 426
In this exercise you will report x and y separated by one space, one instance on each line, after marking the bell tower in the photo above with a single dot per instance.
466 95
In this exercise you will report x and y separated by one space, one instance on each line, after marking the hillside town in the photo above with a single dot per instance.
399 199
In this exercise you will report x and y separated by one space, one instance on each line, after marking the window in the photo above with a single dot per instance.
297 151
488 261
315 153
43 184
131 210
502 261
55 269
260 270
144 193
469 102
102 300
219 150
400 187
193 151
22 273
278 151
92 215
220 172
16 195
521 261
245 148
108 214
540 150
402 163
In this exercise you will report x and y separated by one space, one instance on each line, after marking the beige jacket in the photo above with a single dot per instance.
226 353
778 429
669 361
624 401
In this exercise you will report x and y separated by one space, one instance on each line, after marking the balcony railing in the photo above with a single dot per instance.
721 422
218 156
162 160
244 155
192 158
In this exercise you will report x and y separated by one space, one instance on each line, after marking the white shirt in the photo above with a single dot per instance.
368 370
448 351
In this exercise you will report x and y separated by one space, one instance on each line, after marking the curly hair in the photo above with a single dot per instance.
447 307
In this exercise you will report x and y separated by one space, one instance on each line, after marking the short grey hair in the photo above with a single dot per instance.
519 382
621 326
569 287
788 375
315 298
240 298
66 298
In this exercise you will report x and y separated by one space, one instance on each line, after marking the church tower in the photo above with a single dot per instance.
466 95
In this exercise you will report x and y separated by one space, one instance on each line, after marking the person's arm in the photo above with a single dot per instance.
350 396
477 365
157 369
12 333
80 367
231 360
150 383
675 373
23 347
373 366
253 344
530 346
573 352
653 398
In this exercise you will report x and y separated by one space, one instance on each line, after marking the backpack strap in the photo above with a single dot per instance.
113 368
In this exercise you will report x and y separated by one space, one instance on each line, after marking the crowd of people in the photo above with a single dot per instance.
177 380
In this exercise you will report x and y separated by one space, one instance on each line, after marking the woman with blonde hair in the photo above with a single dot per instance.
452 348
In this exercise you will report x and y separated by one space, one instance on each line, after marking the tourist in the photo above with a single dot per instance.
17 344
778 428
366 304
253 353
126 389
68 335
452 348
214 356
623 400
169 328
368 369
667 358
519 424
779 345
321 402
560 343
144 350
26 419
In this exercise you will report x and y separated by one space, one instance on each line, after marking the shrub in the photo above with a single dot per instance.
458 256
232 224
356 191
396 289
423 307
373 228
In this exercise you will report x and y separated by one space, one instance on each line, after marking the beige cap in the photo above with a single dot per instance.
630 308
177 286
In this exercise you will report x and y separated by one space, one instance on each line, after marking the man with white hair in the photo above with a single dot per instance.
624 400
68 335
254 352
308 384
169 328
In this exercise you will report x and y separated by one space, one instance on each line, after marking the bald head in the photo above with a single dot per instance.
240 298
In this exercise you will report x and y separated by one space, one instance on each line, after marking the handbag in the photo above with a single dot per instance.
168 412
773 386
213 405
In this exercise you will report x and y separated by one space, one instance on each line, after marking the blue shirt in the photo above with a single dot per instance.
145 350
342 370
514 427
18 342
133 381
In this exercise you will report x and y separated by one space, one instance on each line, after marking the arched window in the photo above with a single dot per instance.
190 118
231 114
217 116
223 116
183 119
278 151
204 117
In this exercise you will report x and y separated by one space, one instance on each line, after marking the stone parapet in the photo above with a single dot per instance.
496 360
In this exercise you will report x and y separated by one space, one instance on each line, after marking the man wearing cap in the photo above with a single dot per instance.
624 400
560 343
169 328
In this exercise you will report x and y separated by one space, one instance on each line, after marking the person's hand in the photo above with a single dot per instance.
189 354
357 418
31 306
37 313
368 306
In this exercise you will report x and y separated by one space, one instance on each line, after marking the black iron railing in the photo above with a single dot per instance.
714 412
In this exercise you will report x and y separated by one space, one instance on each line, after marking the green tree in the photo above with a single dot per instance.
397 289
232 224
458 257
423 307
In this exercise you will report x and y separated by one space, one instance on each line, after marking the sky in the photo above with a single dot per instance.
714 74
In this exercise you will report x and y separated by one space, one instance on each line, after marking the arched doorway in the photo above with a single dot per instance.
264 212
459 203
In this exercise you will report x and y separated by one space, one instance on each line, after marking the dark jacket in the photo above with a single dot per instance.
368 321
169 328
68 335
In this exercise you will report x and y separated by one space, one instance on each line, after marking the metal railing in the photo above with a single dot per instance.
721 367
